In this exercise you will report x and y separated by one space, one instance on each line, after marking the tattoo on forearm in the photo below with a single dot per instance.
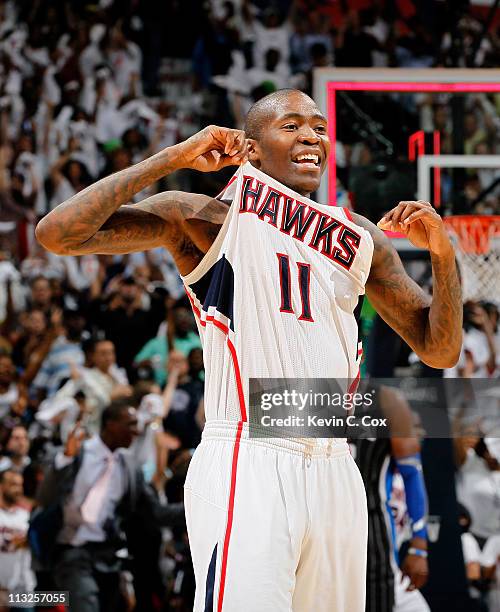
80 217
446 312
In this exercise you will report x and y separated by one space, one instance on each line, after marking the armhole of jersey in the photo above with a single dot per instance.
211 255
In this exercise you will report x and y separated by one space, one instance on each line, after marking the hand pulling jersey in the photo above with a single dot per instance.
278 294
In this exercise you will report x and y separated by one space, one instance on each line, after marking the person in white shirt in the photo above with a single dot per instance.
103 498
9 391
471 553
478 489
15 557
101 384
493 314
479 342
490 561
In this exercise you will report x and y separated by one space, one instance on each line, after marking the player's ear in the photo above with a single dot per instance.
253 150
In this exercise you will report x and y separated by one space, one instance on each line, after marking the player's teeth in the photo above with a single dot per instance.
313 158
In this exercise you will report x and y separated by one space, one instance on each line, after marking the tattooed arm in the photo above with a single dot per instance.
432 326
97 219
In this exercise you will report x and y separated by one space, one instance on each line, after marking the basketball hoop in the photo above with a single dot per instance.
477 245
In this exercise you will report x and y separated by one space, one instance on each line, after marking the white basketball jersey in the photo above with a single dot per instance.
278 293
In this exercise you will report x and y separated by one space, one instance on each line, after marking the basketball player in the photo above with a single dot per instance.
388 588
275 524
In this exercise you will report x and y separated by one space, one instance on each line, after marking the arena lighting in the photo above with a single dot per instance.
327 81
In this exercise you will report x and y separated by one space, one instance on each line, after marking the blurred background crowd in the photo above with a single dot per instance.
87 89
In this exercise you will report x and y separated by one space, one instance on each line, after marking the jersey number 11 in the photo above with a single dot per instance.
304 273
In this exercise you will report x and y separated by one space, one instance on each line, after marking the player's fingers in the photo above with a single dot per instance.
230 138
408 210
398 211
235 143
423 213
240 159
386 221
410 205
388 215
403 210
227 160
417 204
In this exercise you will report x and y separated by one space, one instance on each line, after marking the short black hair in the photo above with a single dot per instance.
114 411
260 110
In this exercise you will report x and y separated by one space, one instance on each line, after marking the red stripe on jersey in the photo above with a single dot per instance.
230 514
348 214
354 385
236 450
239 386
232 350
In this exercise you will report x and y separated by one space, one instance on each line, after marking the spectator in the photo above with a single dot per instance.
490 561
183 402
15 557
478 482
129 307
16 457
354 46
479 342
474 134
472 556
101 384
196 366
150 413
181 336
68 175
10 392
98 501
64 353
41 295
35 328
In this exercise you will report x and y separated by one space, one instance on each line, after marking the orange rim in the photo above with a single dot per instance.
474 232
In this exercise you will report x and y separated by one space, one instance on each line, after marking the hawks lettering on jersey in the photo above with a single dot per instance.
327 235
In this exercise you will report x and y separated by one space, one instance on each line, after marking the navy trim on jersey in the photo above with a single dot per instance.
216 288
209 589
357 316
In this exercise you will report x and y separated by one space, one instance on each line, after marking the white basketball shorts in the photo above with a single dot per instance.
275 525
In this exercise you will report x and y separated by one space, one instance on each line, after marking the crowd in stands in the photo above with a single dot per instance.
85 90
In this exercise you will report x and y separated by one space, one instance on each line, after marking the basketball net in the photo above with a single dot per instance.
477 246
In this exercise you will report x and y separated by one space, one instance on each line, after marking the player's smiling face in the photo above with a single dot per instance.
293 146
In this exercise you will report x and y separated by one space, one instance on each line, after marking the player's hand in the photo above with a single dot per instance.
417 570
421 224
214 148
